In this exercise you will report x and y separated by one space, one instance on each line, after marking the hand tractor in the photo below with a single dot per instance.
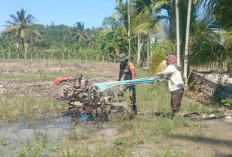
82 97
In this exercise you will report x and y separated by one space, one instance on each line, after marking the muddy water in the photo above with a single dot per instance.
12 135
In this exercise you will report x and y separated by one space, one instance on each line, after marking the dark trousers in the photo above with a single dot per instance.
176 97
132 92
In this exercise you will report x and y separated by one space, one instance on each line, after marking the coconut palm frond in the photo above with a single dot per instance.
157 63
37 33
160 4
14 18
10 23
206 46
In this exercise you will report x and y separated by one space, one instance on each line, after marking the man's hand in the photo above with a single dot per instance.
158 74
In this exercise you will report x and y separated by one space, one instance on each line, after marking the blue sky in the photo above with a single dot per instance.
89 12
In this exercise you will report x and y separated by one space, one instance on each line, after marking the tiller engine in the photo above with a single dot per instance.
83 97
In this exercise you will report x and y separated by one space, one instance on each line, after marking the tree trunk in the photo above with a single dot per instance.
23 44
62 56
177 33
9 55
148 48
140 45
187 42
129 43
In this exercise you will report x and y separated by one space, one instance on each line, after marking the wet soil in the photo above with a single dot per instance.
55 127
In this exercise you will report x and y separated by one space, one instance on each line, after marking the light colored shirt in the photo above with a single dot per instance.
174 77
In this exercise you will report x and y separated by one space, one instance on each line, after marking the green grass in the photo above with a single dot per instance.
36 148
13 107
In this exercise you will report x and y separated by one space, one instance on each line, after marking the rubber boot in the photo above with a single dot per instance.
134 108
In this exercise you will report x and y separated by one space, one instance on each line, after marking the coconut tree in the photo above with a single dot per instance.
222 12
79 32
143 16
177 32
129 29
110 22
148 22
206 47
19 26
187 41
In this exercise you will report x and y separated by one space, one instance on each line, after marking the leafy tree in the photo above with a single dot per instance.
222 11
19 26
79 32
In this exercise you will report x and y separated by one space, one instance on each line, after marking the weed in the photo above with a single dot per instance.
227 103
36 148
120 141
73 133
102 150
13 106
54 148
3 141
169 153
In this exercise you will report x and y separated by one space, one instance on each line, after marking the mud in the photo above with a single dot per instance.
56 126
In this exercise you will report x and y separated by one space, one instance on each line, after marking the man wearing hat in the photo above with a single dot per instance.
175 82
127 71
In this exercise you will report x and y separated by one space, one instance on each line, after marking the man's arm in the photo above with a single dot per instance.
132 69
133 74
168 70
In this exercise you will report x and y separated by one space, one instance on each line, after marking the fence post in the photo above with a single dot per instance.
8 55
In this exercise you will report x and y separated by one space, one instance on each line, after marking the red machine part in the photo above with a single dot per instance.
61 79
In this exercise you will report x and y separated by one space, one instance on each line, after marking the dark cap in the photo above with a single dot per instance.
122 57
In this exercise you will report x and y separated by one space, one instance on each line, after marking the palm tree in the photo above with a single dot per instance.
129 30
177 32
222 11
79 32
142 22
119 7
147 23
19 26
206 47
110 22
187 41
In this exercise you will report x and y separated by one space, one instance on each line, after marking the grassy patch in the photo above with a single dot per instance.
36 148
13 107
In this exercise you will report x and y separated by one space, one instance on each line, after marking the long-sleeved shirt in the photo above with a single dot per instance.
175 81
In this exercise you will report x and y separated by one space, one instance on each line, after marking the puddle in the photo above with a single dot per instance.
14 134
